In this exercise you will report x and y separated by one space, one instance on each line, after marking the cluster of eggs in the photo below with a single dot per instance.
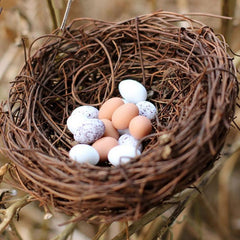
112 133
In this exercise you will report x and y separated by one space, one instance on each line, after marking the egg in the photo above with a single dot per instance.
123 131
110 130
128 139
73 122
132 91
122 154
140 126
147 109
107 109
89 131
83 153
122 115
104 145
86 111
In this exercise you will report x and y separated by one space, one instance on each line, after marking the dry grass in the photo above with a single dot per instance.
213 215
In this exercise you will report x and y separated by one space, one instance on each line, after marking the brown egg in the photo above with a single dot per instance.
107 109
104 145
110 131
140 126
122 115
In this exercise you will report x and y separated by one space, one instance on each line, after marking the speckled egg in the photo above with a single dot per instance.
73 122
128 139
132 91
123 115
123 131
147 109
86 111
122 154
89 131
83 153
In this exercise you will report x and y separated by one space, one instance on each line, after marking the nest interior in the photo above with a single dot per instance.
189 77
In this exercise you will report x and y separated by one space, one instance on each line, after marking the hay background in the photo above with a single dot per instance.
25 18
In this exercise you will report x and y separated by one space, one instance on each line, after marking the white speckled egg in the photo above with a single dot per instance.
84 153
89 130
86 111
132 91
122 154
147 109
123 131
73 122
127 139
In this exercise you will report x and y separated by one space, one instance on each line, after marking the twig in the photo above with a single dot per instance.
66 232
66 14
221 228
3 170
10 212
176 228
139 224
14 229
140 51
166 224
52 13
101 231
223 195
228 8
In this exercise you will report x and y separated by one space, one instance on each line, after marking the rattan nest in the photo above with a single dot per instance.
189 77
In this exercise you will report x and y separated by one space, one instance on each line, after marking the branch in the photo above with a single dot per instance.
11 211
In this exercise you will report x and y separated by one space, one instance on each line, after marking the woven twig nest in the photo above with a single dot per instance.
189 77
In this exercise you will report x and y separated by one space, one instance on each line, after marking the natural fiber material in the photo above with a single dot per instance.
189 77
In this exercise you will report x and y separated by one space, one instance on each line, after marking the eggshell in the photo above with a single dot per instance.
104 145
140 126
84 153
110 130
86 111
132 91
128 139
122 115
147 109
107 109
73 122
123 131
89 131
122 154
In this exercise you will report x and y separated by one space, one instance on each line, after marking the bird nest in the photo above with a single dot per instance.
189 77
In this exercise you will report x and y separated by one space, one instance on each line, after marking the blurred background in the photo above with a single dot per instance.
214 214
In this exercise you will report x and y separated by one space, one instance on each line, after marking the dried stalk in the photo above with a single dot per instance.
8 214
221 229
228 9
53 15
103 228
3 171
68 230
223 193
65 17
